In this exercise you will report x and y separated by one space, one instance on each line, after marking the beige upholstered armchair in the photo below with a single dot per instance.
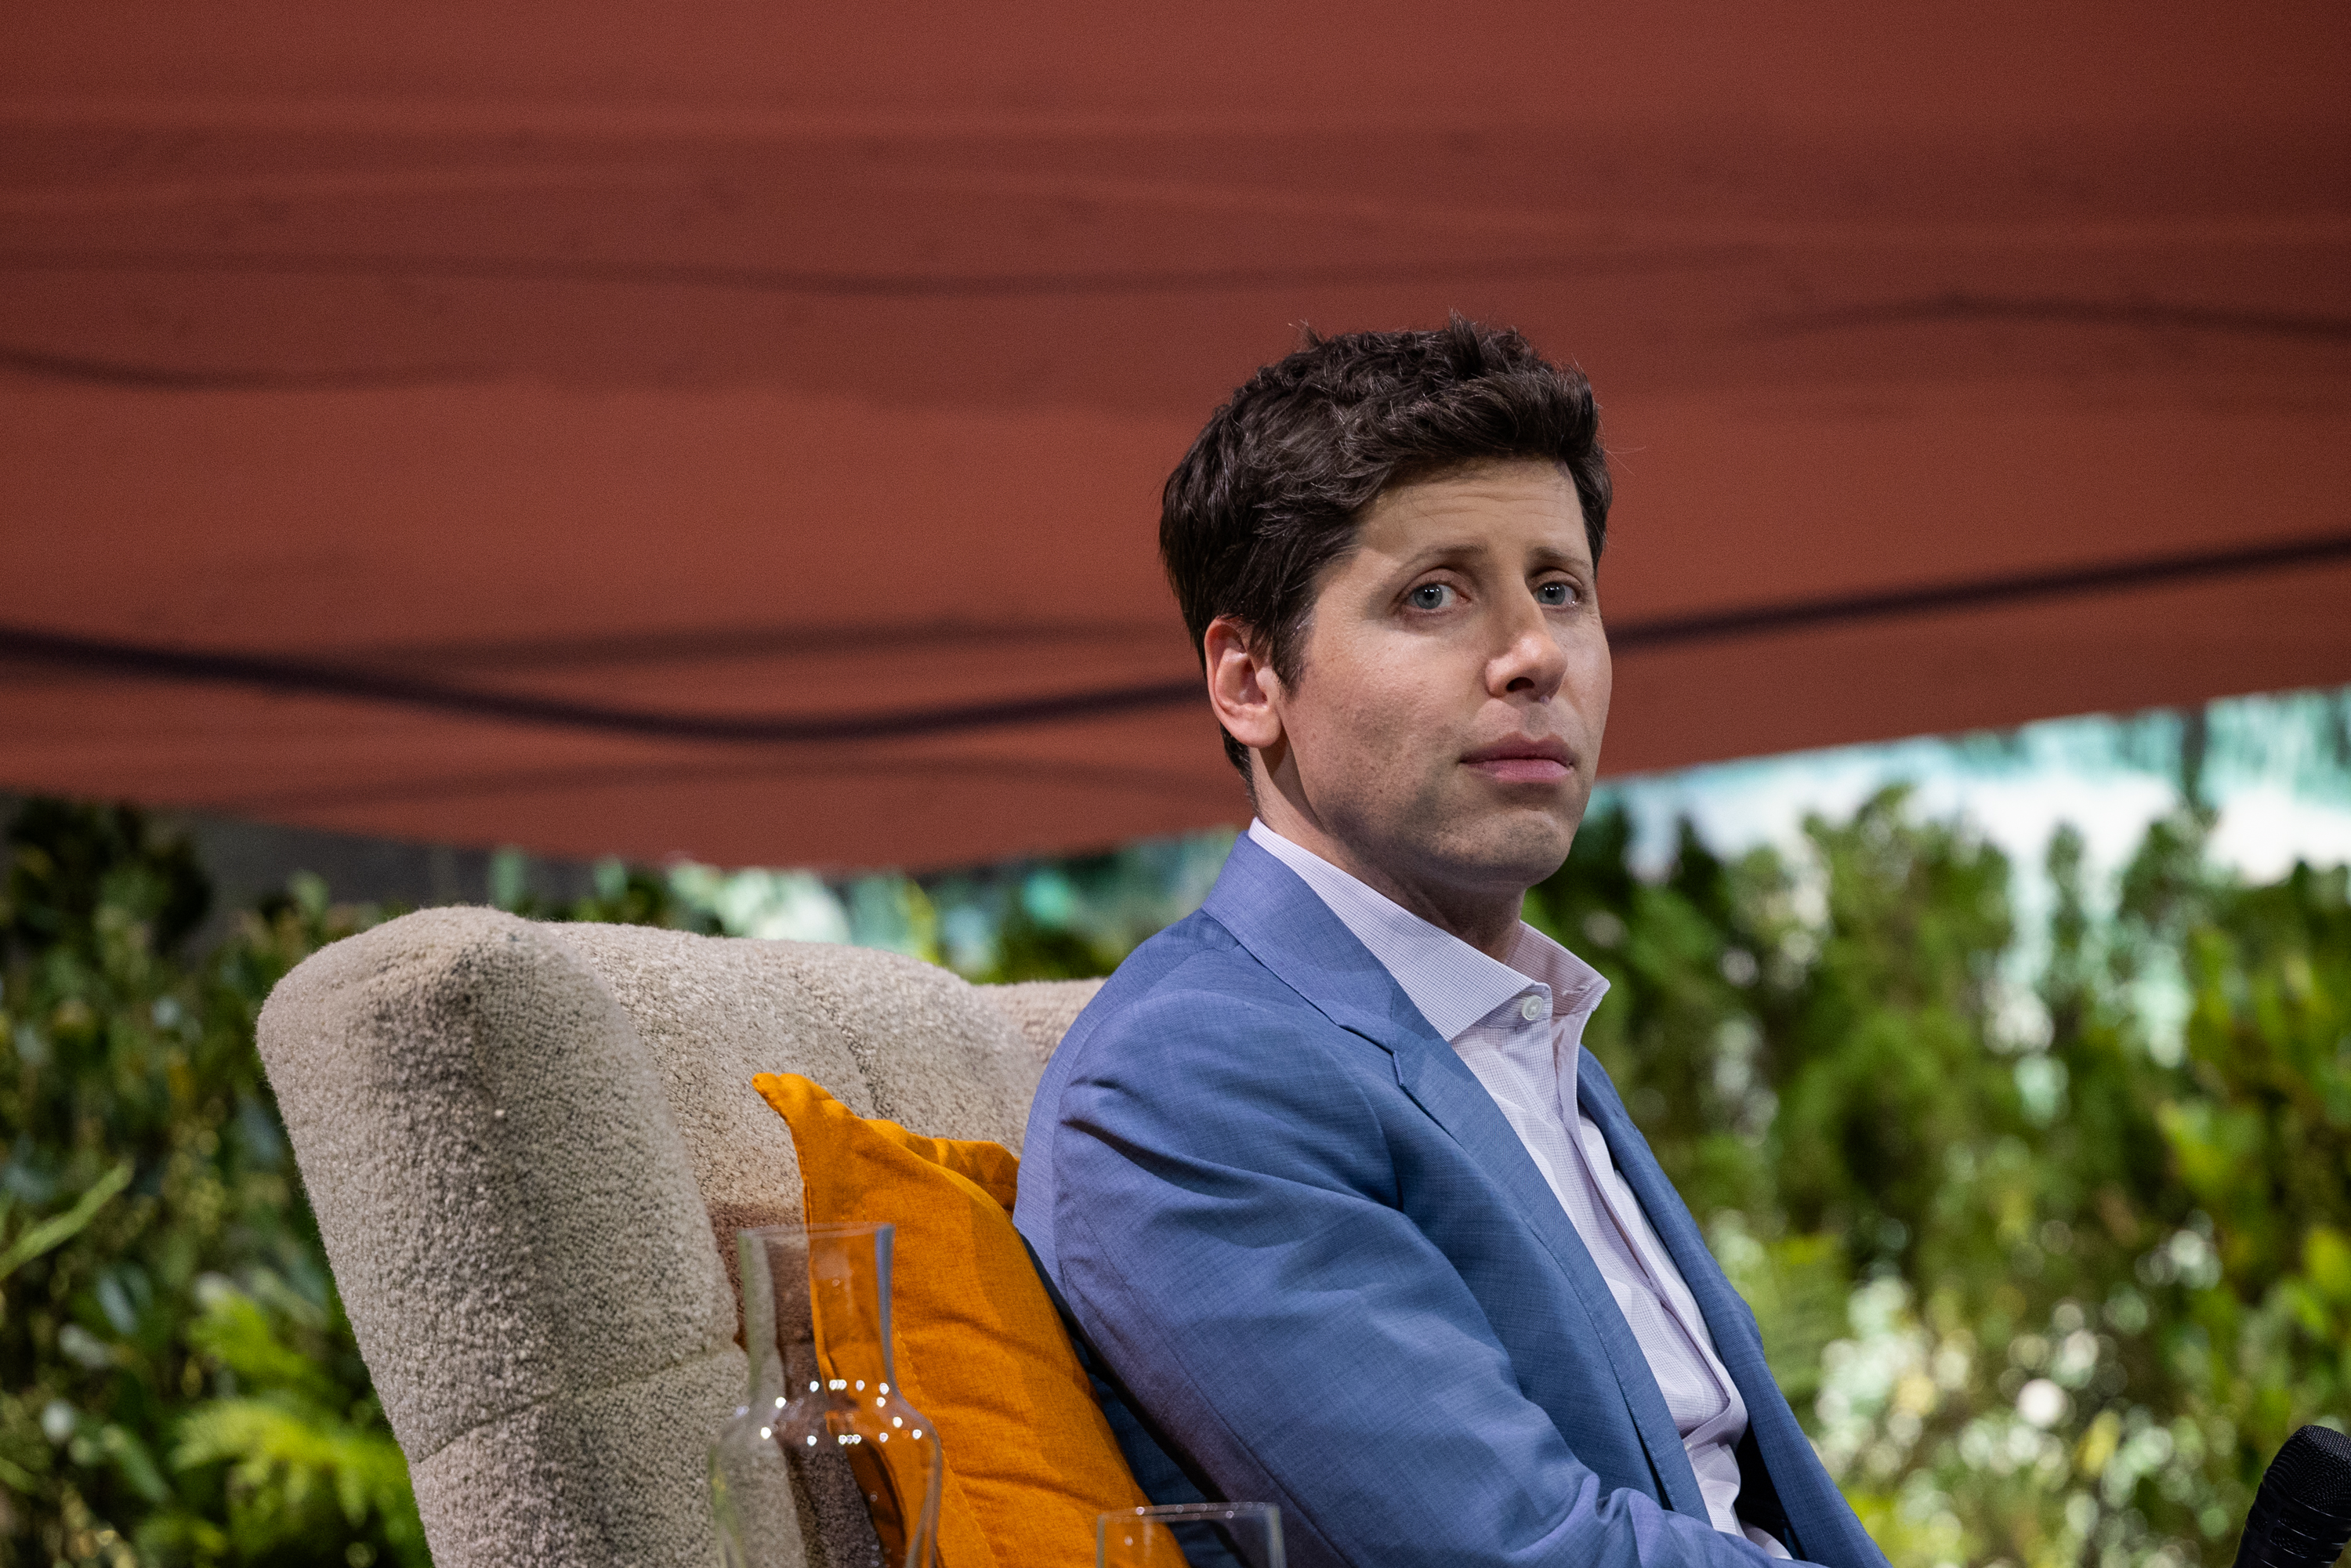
524 1143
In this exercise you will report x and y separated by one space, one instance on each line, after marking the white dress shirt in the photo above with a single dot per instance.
1518 1026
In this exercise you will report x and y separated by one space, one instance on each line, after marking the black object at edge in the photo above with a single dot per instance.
2300 1517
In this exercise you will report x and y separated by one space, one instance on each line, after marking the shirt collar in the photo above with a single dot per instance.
1452 983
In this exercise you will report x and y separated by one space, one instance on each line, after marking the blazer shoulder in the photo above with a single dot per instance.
1194 1045
1196 959
1194 1012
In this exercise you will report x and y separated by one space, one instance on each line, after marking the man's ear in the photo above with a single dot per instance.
1242 685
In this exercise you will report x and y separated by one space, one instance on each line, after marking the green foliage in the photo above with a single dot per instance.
2049 1258
2044 1286
624 896
146 1168
178 1382
305 1461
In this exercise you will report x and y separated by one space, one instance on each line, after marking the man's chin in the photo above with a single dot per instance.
1514 850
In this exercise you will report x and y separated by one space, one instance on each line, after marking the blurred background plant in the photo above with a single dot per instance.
178 1382
2049 1231
2049 1273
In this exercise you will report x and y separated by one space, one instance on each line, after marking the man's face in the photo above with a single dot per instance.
1446 723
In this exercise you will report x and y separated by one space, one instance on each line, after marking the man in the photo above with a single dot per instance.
1342 1212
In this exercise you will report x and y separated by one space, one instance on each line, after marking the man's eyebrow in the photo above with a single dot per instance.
1543 556
1438 549
1552 555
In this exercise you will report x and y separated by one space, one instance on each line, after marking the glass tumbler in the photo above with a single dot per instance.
1190 1535
807 1409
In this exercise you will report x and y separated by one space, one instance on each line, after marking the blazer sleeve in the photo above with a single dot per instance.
1226 1207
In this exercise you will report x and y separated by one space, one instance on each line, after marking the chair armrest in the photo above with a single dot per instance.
514 1227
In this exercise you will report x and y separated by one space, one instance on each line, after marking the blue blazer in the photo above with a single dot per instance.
1307 1247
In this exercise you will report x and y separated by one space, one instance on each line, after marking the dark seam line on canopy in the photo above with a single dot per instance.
1947 307
299 676
1970 307
2015 588
166 378
871 285
296 675
1147 782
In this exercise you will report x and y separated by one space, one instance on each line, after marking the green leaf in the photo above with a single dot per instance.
2326 1260
60 1229
237 1333
137 1466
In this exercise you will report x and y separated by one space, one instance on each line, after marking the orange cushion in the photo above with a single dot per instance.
1030 1459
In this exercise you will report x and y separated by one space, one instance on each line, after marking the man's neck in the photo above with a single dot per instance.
1486 921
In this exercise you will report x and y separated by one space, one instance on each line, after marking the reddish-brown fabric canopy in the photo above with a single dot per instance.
736 429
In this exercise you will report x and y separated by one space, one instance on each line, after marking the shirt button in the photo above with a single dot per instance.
1532 1008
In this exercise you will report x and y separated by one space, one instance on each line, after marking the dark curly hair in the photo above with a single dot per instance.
1273 490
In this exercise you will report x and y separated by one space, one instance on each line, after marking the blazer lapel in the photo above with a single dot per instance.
1820 1526
1443 1086
1770 1423
1725 1315
1293 932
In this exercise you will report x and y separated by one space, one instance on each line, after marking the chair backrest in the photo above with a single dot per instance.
522 1142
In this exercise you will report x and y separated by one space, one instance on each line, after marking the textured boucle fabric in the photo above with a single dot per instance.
1042 1010
545 1484
887 1035
514 1226
524 1143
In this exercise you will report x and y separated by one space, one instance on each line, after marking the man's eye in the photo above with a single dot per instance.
1431 596
1553 595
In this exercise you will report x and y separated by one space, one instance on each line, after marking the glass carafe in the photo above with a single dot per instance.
821 1422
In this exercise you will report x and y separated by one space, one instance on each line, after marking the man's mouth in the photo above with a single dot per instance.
1523 761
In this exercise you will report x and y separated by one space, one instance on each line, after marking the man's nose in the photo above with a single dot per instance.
1531 660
